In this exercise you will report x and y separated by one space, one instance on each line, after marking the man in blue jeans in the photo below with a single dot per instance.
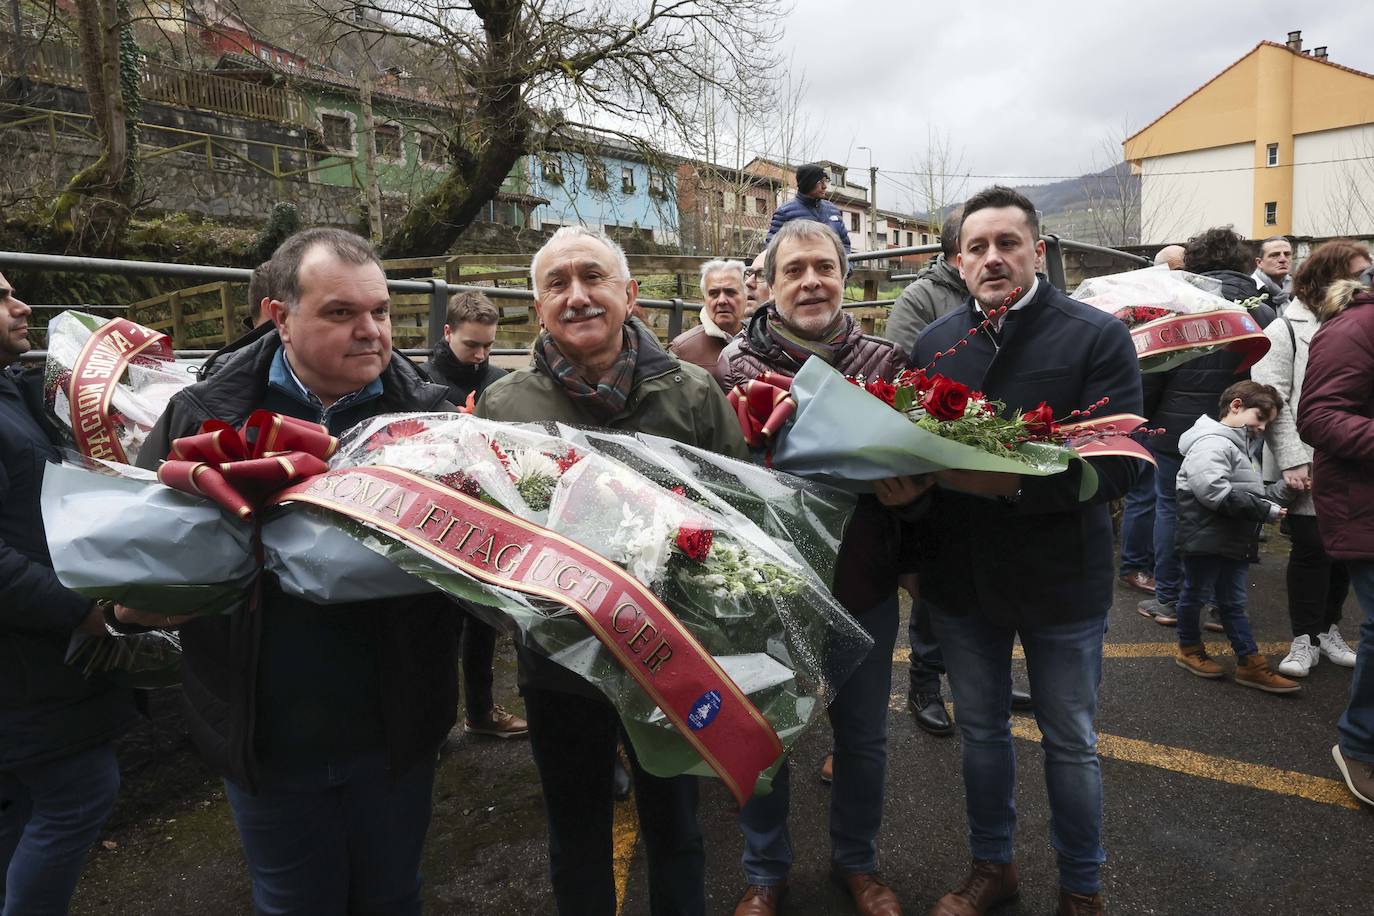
58 774
1137 568
1006 555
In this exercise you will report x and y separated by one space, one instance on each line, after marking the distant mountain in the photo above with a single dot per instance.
1074 207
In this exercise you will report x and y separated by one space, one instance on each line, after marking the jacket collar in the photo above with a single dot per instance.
462 373
711 329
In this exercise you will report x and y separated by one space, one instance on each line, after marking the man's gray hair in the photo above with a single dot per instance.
797 230
284 271
577 231
720 265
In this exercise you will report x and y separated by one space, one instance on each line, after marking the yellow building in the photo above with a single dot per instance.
1279 143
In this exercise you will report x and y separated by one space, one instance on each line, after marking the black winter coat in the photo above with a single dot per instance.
1047 558
415 638
1175 399
48 710
461 379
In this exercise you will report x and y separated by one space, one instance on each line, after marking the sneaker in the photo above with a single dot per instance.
1302 658
1334 647
1194 660
1359 776
498 724
1253 671
1212 619
1161 612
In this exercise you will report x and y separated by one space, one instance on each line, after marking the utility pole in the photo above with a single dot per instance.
372 195
872 200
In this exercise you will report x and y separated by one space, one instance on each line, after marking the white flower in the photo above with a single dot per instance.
528 463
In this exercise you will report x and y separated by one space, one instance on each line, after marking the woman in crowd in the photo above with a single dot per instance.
1317 585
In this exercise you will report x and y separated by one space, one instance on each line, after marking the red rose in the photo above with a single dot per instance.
1040 422
916 379
946 399
883 390
398 431
695 542
461 482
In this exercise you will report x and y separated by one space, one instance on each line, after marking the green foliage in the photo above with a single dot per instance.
283 221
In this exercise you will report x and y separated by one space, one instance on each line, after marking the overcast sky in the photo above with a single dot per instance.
1027 89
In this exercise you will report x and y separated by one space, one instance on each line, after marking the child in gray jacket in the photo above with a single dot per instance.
1222 501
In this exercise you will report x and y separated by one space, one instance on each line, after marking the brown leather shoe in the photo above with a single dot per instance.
1140 581
987 885
870 893
1071 904
760 900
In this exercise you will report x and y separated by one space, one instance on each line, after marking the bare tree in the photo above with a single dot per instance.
525 76
90 213
1112 193
941 178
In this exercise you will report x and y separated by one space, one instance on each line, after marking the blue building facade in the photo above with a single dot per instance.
609 188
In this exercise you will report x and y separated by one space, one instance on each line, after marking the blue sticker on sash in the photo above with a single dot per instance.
704 710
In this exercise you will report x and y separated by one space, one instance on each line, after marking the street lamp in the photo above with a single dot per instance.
872 201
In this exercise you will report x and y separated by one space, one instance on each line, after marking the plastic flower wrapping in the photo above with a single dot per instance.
1175 316
106 382
691 589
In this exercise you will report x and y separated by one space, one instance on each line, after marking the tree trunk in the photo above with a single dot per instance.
90 214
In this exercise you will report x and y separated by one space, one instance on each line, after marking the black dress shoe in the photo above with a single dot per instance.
1021 701
930 713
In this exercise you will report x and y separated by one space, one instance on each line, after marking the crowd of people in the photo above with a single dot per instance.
325 722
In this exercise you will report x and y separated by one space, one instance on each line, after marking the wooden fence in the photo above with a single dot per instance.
60 64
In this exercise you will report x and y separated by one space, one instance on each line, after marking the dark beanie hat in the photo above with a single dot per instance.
808 176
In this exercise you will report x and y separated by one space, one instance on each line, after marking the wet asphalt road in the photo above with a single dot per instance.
1219 800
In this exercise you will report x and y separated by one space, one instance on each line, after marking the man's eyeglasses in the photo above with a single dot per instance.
752 272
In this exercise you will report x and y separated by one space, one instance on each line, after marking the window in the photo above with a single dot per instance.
925 239
720 201
387 141
657 187
265 54
338 132
551 169
853 222
760 206
896 237
627 179
837 177
908 240
429 146
596 175
1271 213
1272 154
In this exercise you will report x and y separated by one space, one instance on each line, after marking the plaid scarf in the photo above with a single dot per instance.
828 347
609 396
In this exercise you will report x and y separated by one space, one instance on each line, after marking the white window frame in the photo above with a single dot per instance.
352 120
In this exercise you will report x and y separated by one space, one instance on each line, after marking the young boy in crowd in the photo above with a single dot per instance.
1222 501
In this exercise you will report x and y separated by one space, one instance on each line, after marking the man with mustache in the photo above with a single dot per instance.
806 265
58 773
594 366
722 287
325 721
1008 555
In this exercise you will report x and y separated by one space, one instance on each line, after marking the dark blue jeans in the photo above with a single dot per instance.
1168 568
858 717
1224 580
1064 662
479 648
573 739
927 664
342 837
1138 526
50 816
1357 722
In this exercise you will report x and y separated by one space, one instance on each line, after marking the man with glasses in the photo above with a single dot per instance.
593 366
756 288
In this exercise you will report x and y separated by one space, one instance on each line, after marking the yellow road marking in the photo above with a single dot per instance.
625 835
1206 766
1216 647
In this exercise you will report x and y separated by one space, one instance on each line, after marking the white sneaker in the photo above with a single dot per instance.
1334 648
1302 658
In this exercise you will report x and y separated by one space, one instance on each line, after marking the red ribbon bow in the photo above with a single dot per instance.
240 468
763 405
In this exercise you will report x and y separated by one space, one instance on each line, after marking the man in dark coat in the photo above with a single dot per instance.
461 361
594 366
806 266
937 290
810 203
1336 415
1006 555
1176 398
325 720
58 773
